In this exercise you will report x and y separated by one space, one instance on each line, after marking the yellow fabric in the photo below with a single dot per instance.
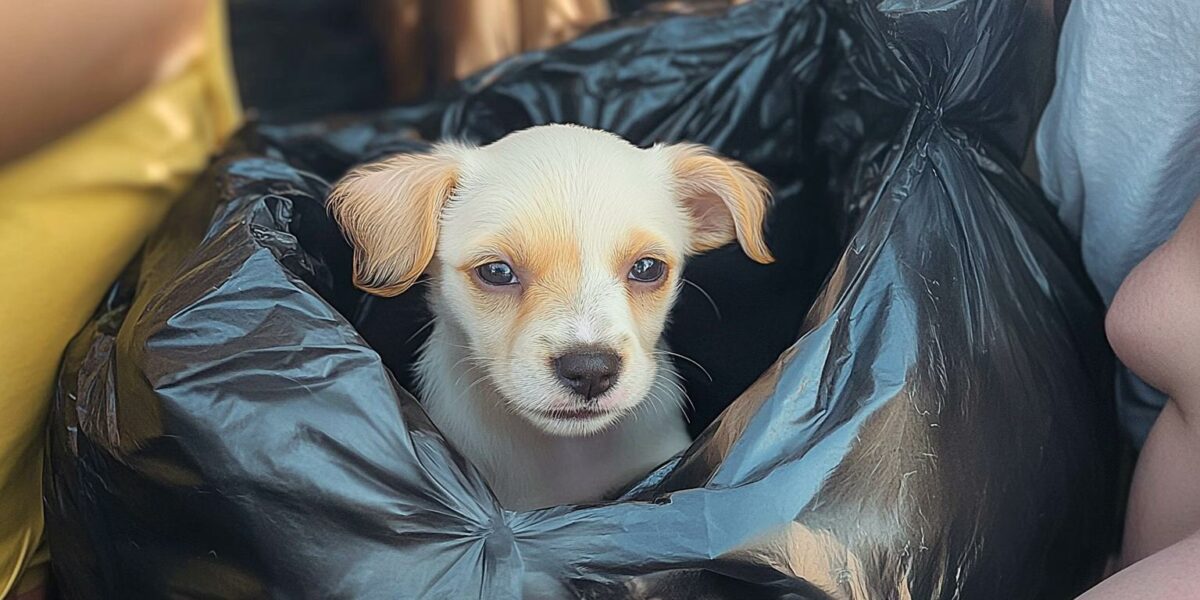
71 216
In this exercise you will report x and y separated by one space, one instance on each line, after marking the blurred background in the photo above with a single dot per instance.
300 59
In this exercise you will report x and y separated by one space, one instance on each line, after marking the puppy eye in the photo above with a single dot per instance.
496 273
647 270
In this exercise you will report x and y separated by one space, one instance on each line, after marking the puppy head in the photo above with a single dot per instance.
557 251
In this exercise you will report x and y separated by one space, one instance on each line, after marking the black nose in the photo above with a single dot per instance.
588 373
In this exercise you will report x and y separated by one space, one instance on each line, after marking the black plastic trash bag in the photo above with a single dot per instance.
934 428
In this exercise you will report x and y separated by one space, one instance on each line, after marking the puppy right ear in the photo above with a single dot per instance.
724 199
390 211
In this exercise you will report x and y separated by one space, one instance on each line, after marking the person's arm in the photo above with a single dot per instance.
1167 575
64 62
1154 327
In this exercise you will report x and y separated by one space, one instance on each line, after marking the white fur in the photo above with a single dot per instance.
597 187
570 209
527 467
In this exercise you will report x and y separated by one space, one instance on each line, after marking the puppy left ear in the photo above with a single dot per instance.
725 200
391 213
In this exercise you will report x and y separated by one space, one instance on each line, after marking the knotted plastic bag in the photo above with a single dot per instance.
931 424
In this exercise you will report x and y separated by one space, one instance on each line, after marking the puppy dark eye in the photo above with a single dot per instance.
496 273
647 270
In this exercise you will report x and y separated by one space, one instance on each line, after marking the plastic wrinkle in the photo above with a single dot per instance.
910 403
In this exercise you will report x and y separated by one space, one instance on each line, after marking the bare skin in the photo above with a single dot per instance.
65 62
1154 327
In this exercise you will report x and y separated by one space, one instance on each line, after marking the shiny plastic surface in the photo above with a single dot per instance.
932 426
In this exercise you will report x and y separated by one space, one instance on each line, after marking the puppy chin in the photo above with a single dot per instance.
574 425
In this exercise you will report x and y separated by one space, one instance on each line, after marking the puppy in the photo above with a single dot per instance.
554 256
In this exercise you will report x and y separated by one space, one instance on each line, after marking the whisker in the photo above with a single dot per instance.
674 383
653 402
459 362
418 332
712 302
661 406
458 382
680 399
473 359
698 365
683 394
483 377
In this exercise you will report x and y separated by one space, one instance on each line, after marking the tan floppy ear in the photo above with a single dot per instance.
391 213
725 199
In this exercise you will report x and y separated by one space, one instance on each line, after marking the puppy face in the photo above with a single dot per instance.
557 251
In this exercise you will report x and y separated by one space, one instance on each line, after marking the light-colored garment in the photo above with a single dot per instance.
1119 144
72 215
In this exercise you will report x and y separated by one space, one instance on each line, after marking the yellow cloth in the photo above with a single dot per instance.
71 216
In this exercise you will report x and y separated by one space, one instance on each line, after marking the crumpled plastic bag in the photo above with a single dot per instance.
932 424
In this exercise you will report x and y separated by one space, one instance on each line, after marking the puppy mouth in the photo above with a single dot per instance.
575 414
